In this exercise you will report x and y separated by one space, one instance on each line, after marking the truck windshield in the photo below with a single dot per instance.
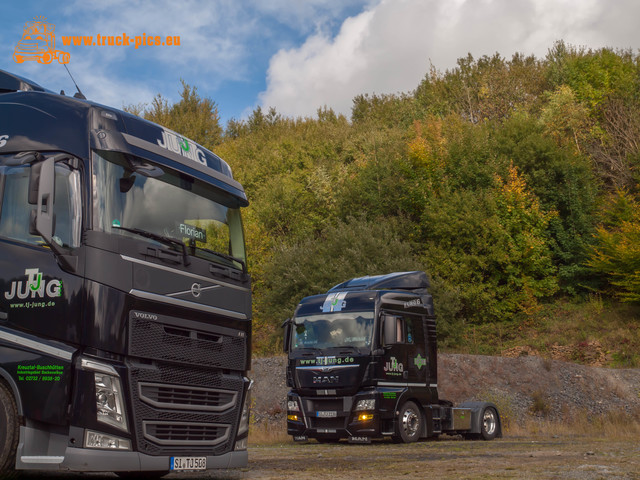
328 330
167 204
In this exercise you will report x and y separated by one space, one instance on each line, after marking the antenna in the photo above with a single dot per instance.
79 94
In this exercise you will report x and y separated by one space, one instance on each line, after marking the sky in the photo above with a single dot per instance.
297 56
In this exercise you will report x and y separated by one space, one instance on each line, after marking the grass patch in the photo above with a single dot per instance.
611 426
268 433
591 332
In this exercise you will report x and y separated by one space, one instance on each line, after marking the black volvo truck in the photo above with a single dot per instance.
125 304
363 365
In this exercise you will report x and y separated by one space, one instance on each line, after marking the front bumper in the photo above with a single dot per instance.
86 460
89 460
331 418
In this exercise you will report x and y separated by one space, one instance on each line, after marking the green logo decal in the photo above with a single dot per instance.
419 362
184 145
39 373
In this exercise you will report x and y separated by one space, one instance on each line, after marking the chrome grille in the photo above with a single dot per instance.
182 397
184 433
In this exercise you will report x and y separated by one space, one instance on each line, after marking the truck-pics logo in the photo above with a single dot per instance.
35 286
393 367
38 43
182 146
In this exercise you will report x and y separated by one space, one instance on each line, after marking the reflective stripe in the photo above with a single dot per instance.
401 384
35 345
42 460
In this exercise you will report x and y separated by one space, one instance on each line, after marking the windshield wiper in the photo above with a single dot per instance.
313 349
159 238
231 258
353 349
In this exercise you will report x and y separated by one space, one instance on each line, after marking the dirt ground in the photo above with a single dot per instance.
565 458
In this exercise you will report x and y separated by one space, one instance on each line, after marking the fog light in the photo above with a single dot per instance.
108 442
363 417
293 418
241 444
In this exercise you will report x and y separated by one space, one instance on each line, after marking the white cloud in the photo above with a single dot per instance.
388 47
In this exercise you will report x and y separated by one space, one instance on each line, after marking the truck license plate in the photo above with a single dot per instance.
327 414
188 463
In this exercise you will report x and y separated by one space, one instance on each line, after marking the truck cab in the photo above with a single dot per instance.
362 364
125 302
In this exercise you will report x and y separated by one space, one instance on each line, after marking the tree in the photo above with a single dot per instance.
194 117
616 253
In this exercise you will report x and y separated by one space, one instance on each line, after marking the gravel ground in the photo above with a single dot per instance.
522 386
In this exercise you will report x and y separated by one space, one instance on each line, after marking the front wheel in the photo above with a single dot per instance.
9 430
410 423
489 427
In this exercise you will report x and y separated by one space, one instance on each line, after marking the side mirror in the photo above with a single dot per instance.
42 193
42 190
389 330
286 325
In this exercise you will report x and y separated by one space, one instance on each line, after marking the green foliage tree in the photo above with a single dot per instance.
616 253
192 116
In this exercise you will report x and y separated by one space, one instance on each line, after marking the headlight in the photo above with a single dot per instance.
109 395
109 401
366 404
292 406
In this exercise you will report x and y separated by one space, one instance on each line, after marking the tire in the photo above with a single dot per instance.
9 430
410 423
490 423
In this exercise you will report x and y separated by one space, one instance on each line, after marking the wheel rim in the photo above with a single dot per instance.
489 421
410 422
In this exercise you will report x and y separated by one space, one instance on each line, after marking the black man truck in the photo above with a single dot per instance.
125 302
363 365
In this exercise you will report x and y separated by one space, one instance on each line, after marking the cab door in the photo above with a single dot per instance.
393 369
417 359
36 294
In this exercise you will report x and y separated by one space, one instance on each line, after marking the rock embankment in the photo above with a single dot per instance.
522 386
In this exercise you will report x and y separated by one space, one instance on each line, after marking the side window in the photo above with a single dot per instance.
15 209
402 330
409 330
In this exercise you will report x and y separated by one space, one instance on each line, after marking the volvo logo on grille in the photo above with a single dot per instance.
324 379
196 290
